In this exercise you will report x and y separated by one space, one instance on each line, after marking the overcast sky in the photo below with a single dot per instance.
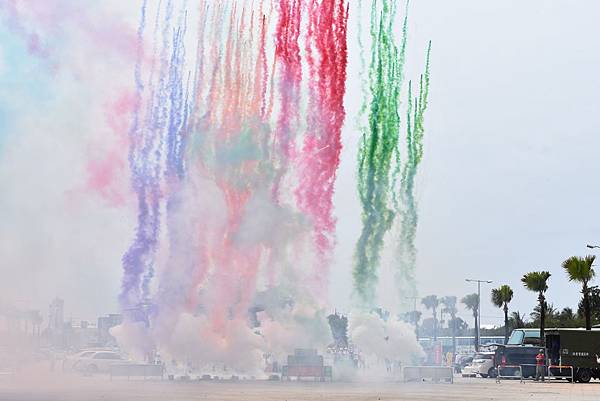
509 181
508 184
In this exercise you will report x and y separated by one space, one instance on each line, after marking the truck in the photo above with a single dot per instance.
578 348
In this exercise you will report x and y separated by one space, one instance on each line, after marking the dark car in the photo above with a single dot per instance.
508 357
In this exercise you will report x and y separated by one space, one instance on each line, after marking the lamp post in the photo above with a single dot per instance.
478 328
592 246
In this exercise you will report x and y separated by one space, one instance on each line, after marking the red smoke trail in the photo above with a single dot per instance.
236 92
327 58
289 63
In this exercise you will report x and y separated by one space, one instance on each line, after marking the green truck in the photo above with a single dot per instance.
578 348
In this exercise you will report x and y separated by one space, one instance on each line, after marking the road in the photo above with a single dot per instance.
100 388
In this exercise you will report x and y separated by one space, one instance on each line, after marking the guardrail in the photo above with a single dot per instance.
500 376
435 373
137 370
560 368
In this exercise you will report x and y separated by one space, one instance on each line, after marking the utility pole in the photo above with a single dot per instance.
478 328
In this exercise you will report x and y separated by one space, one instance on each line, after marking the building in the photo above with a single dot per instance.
105 323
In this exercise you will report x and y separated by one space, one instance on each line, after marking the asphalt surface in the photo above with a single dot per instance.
58 387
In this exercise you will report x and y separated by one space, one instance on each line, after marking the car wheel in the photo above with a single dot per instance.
492 373
484 375
584 376
92 369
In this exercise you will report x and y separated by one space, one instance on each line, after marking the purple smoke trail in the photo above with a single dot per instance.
144 159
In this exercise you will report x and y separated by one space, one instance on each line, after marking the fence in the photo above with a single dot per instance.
137 370
435 373
560 375
501 376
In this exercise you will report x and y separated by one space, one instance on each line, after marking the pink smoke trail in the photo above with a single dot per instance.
327 58
289 63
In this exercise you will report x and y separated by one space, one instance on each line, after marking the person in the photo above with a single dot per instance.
539 365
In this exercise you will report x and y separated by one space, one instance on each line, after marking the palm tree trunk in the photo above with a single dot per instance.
542 300
505 323
453 335
434 325
586 308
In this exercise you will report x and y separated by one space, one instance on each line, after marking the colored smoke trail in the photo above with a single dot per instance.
327 58
405 279
289 67
377 157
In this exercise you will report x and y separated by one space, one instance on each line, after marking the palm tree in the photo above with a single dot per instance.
581 270
450 308
471 301
501 297
538 282
517 320
432 302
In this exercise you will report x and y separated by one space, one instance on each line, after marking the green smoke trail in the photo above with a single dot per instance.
406 250
377 156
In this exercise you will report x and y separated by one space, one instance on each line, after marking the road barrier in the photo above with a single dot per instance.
137 370
501 376
435 373
561 376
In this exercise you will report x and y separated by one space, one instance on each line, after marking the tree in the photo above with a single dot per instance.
566 317
517 321
460 326
339 329
580 270
538 282
471 301
501 297
450 308
432 302
594 298
412 317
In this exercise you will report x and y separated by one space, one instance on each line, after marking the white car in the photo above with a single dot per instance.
99 362
70 361
482 365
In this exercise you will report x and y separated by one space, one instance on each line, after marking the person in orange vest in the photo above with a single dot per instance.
539 365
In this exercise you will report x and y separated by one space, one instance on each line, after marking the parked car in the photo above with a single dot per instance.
71 360
99 362
482 365
461 362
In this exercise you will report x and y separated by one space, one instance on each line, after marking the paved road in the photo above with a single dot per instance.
72 388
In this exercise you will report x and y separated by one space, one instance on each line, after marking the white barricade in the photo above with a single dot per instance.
561 376
501 376
435 373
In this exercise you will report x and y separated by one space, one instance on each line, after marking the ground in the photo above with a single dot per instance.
100 388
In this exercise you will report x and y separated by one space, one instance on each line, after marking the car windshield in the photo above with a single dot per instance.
519 337
516 337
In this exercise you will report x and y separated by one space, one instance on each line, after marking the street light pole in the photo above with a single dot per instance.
592 246
478 328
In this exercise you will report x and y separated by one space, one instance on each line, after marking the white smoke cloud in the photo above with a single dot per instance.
392 340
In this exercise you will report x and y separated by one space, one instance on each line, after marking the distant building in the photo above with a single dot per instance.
105 323
56 316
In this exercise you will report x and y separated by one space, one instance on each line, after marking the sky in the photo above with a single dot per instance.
507 184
